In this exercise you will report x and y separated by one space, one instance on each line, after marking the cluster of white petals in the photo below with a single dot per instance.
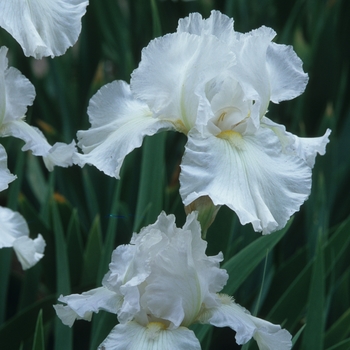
160 284
43 27
214 85
16 93
14 232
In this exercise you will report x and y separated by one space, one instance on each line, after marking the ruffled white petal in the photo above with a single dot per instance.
174 71
12 227
59 154
133 336
16 91
81 306
5 176
14 233
229 314
271 337
217 24
286 75
119 123
174 290
29 251
251 69
306 148
248 173
43 27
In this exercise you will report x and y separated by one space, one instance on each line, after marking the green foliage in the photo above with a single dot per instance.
83 215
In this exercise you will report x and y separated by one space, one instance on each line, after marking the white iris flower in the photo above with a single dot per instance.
214 85
43 27
160 284
16 93
14 232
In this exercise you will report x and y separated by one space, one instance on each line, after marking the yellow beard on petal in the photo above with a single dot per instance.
153 329
233 137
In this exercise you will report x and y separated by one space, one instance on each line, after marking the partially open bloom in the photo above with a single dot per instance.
43 27
214 85
16 93
160 284
14 232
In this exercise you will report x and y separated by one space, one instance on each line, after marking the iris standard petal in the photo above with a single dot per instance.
217 24
248 173
43 27
251 69
133 336
81 306
174 290
119 123
286 75
5 176
174 70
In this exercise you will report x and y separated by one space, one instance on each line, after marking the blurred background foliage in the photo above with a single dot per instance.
299 277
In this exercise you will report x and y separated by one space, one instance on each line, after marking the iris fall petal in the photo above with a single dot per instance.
119 123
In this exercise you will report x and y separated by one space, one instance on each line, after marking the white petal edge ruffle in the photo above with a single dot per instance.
217 24
81 306
306 148
29 251
60 154
43 27
229 314
16 91
5 176
119 123
250 174
286 75
14 232
133 336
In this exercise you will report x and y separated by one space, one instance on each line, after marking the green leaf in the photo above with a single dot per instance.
150 196
313 333
63 334
292 302
339 330
38 343
343 345
75 249
36 179
157 29
111 233
92 254
240 266
297 335
22 326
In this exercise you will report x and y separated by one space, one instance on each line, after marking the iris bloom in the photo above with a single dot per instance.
43 27
14 233
214 85
16 93
160 284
